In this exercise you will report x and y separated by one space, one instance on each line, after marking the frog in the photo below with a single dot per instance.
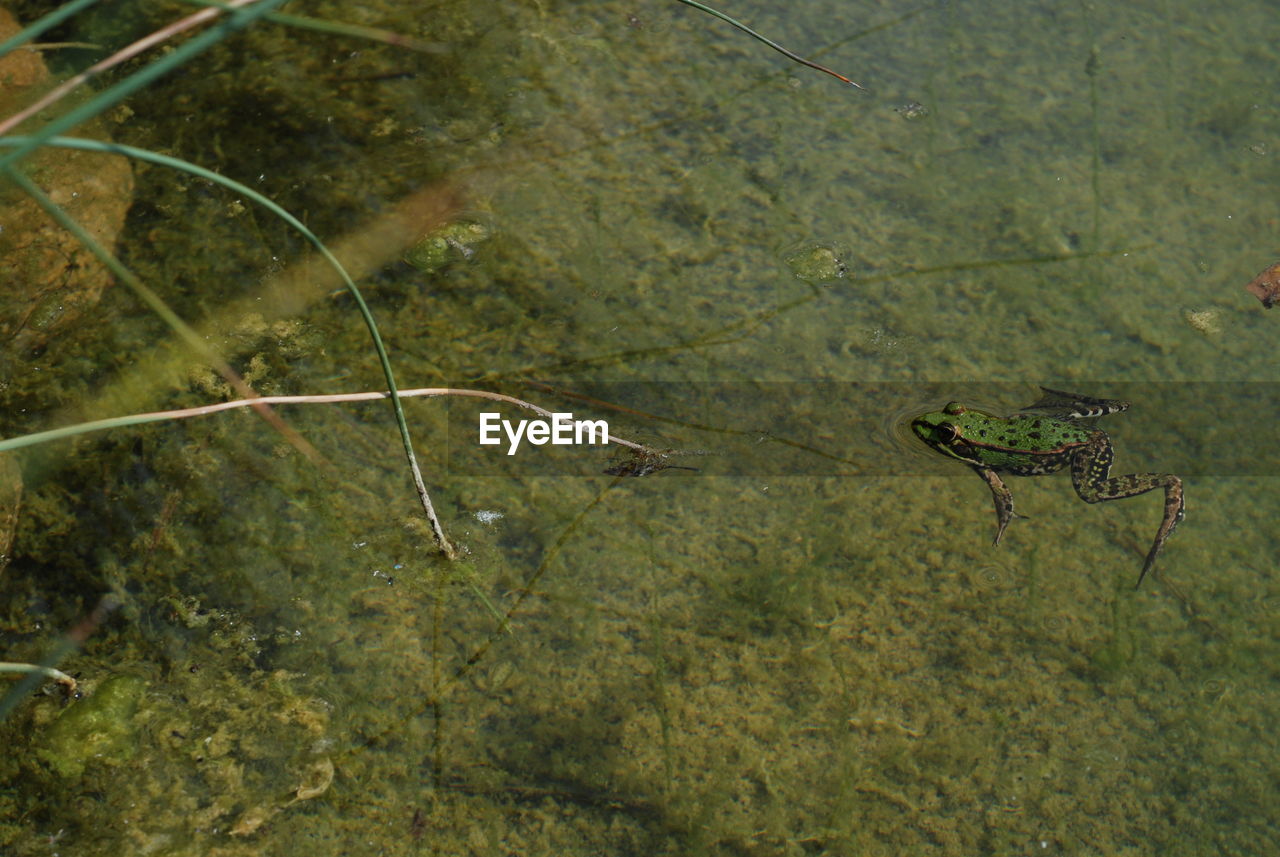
1046 437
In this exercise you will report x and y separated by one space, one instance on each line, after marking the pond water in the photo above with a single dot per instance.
796 640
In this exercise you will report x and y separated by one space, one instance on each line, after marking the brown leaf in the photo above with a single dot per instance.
1266 286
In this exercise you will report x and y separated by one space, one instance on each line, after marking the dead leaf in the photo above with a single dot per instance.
1266 286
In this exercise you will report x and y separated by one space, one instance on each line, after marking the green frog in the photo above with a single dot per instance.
1033 444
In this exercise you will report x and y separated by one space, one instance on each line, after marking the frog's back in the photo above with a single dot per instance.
1024 444
1036 433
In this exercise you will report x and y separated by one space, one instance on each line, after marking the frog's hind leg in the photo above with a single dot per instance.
1089 474
1001 495
1073 406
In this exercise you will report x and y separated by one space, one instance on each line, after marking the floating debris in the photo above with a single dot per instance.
1266 286
1205 320
816 263
912 110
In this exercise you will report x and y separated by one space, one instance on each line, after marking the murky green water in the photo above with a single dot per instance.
775 661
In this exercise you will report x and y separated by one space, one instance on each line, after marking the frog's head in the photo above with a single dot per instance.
941 429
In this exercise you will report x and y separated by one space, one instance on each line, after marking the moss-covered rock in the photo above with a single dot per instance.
452 242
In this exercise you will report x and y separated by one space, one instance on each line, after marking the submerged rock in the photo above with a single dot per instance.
453 242
48 279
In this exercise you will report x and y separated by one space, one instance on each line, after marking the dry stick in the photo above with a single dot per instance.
57 46
118 57
70 641
329 398
68 683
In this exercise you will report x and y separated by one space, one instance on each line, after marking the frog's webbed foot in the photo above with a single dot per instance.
1073 406
1174 508
1002 497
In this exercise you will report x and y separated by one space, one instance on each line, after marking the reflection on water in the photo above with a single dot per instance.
806 644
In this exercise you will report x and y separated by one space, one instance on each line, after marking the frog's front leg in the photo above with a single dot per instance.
1001 495
1090 474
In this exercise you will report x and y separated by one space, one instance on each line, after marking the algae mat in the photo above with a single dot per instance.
818 653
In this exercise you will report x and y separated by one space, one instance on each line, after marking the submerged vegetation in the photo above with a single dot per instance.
534 201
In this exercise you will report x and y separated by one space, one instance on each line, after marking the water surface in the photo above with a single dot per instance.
799 647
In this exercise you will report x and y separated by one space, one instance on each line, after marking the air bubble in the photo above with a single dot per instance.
991 577
1053 623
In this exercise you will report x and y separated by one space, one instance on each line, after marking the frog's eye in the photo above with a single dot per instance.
955 409
948 433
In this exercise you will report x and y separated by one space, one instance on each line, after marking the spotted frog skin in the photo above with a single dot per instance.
1033 444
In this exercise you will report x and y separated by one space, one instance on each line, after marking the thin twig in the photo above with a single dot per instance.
148 41
777 47
68 683
58 46
409 210
203 410
44 23
160 308
70 641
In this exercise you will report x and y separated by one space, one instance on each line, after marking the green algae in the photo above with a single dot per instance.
454 242
760 664
100 728
816 263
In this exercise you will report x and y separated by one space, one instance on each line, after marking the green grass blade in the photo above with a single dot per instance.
115 94
154 301
339 28
53 19
150 298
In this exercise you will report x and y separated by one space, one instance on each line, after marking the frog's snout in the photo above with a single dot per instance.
923 429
